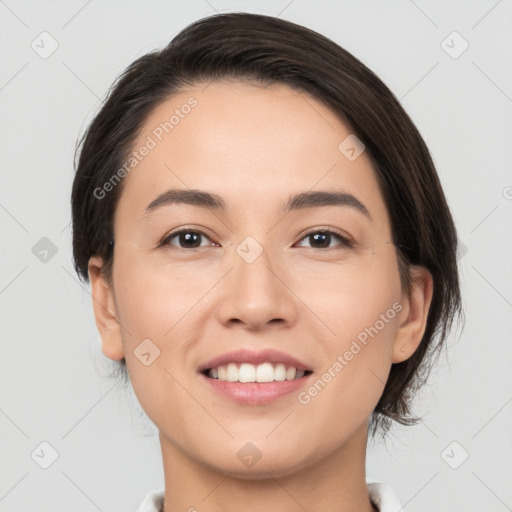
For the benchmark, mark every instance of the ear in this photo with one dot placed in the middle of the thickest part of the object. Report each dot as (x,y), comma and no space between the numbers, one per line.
(105,311)
(413,317)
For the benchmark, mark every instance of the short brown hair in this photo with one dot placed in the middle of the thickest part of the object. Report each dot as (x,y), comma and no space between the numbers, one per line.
(264,49)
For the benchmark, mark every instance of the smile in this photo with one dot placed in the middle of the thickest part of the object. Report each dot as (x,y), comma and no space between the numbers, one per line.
(247,372)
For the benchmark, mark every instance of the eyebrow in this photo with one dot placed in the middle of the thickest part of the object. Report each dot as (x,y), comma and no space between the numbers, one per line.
(210,201)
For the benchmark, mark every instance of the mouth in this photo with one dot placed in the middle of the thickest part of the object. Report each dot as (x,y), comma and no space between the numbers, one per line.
(255,378)
(247,372)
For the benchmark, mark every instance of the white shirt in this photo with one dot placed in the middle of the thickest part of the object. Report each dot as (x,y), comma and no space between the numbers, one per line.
(382,495)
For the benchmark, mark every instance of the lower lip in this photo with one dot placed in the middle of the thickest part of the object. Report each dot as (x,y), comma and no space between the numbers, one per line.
(255,393)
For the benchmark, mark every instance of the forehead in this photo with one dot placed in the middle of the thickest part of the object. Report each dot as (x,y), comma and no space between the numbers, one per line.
(250,144)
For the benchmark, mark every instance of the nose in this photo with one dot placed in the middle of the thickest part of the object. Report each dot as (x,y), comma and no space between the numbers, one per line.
(256,295)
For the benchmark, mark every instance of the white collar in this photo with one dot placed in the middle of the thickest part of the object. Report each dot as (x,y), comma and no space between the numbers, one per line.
(382,495)
(384,498)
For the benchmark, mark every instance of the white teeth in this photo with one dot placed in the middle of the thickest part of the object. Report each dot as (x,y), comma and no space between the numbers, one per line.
(265,373)
(290,373)
(280,372)
(246,372)
(232,373)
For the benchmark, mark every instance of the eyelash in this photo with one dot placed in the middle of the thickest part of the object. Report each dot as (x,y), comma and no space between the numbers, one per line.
(345,242)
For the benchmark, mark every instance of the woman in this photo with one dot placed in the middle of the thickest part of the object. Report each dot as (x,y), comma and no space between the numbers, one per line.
(272,262)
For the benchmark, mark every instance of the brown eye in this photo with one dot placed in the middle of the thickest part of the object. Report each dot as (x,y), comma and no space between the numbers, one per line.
(322,239)
(186,239)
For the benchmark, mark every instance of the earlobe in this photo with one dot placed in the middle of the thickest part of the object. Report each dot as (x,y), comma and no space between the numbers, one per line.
(105,311)
(413,318)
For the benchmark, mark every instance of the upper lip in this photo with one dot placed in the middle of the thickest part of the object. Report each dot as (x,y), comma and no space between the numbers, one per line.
(249,356)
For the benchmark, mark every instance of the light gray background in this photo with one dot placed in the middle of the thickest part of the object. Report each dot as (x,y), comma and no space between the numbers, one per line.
(51,384)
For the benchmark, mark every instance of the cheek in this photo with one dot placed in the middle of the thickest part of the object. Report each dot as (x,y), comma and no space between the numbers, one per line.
(349,299)
(155,305)
(358,358)
(359,310)
(152,299)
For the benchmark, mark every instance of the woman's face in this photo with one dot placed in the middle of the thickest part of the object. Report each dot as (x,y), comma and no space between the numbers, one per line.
(259,277)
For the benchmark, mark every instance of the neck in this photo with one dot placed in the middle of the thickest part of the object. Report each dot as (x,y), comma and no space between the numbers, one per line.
(336,482)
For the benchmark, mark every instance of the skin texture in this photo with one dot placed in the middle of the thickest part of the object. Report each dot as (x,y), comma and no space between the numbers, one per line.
(255,146)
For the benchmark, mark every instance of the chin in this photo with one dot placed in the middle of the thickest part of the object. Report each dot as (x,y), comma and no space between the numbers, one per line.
(274,462)
(261,471)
